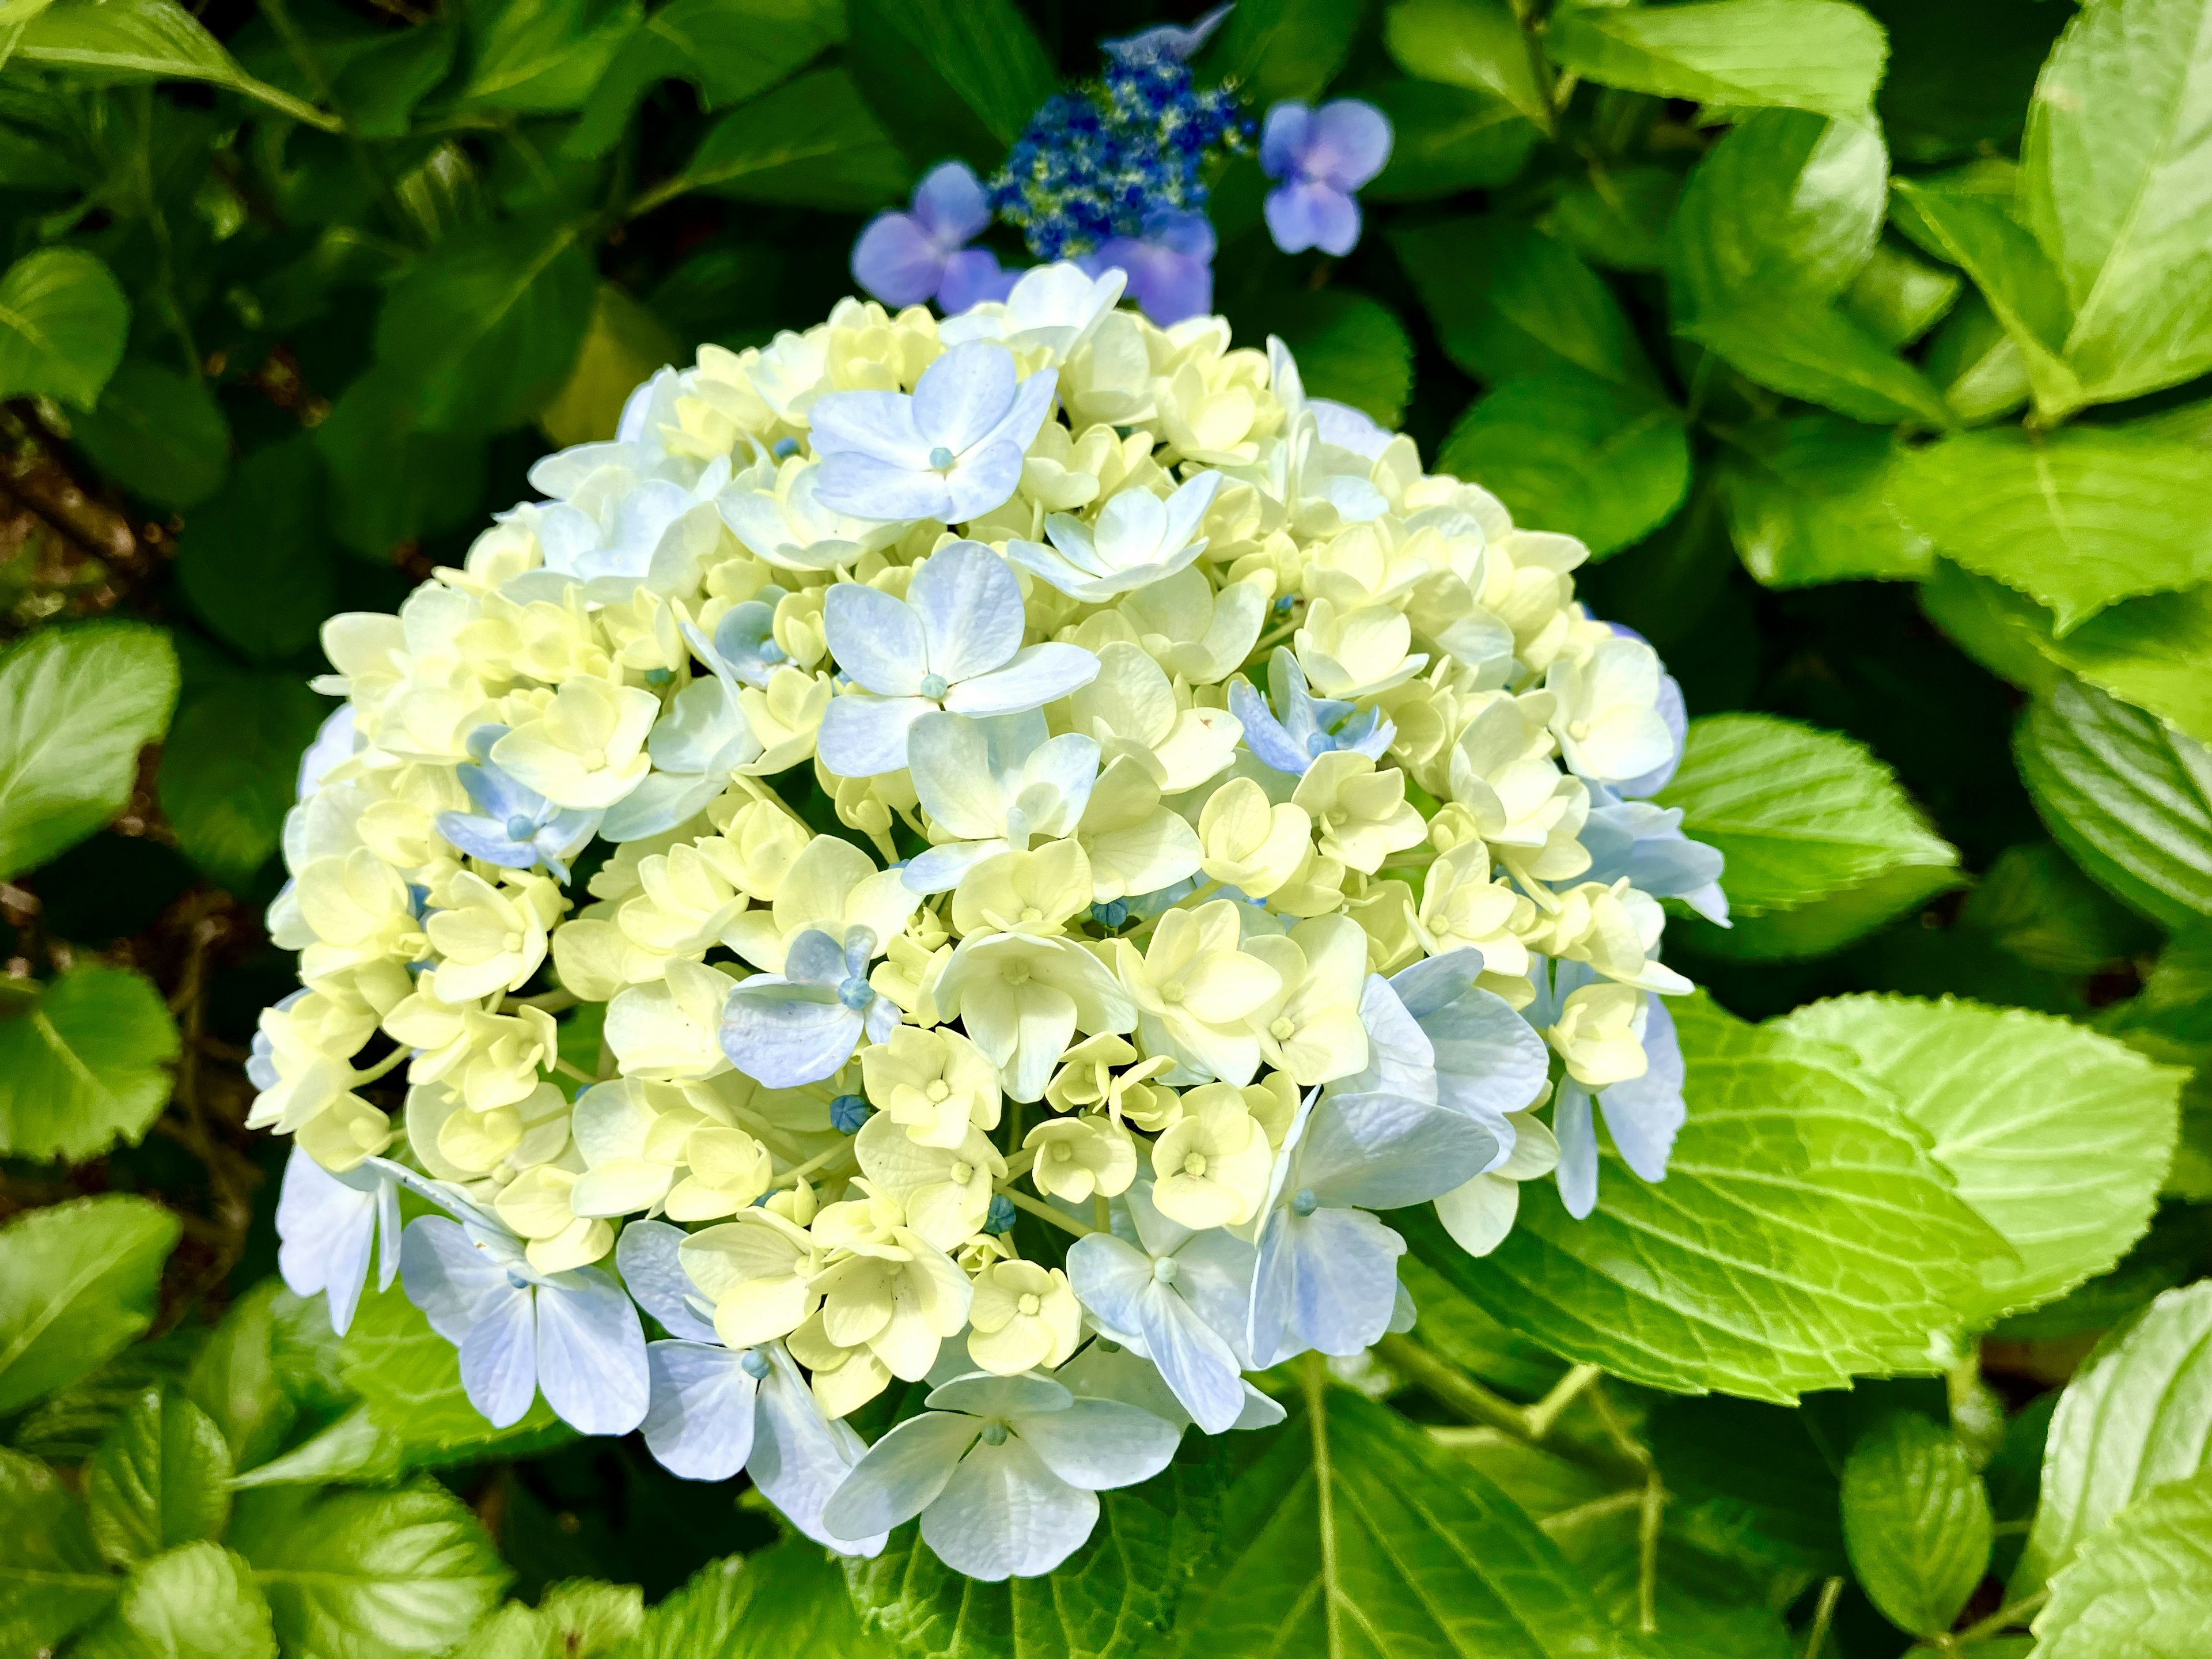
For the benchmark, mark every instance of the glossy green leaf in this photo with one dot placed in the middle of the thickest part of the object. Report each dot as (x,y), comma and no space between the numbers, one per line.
(1799,813)
(983,53)
(543,57)
(380,86)
(731,50)
(159,1481)
(1605,463)
(257,563)
(812,143)
(236,1379)
(369,1575)
(144,39)
(410,1379)
(1898,298)
(786,1599)
(1916,1521)
(1806,499)
(232,767)
(2129,799)
(1787,200)
(52,1578)
(1620,219)
(1276,49)
(2137,1415)
(84,1064)
(485,326)
(2143,1588)
(1978,366)
(2056,1136)
(160,434)
(1479,45)
(1445,139)
(77,1281)
(199,1601)
(1509,302)
(2110,180)
(1792,54)
(1348,1535)
(1825,925)
(63,319)
(1802,1235)
(1823,357)
(578,1620)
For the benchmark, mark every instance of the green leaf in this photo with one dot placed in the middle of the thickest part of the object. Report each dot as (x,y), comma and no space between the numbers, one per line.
(2056,1135)
(1933,112)
(195,1603)
(1348,347)
(1800,814)
(1828,924)
(392,480)
(2035,902)
(1112,1598)
(1802,1235)
(1755,1483)
(77,1281)
(256,563)
(1822,355)
(2170,1253)
(159,433)
(1620,219)
(84,1064)
(2135,1416)
(1605,463)
(1787,200)
(1345,1535)
(394,70)
(1791,54)
(625,345)
(410,1379)
(1898,298)
(1446,139)
(812,143)
(160,1479)
(231,770)
(486,326)
(578,1620)
(1806,503)
(369,1575)
(235,1379)
(1916,1521)
(1479,45)
(2078,519)
(2154,651)
(786,1600)
(63,319)
(109,41)
(1976,363)
(1510,301)
(2129,799)
(2143,1588)
(2111,174)
(1451,1325)
(76,705)
(1276,49)
(52,1579)
(731,50)
(543,57)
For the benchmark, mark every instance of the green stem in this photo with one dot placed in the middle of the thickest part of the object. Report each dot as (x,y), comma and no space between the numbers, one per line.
(1313,1380)
(1042,1210)
(1824,1613)
(2013,1612)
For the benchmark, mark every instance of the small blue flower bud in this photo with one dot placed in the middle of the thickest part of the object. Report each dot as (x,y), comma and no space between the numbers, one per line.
(521,827)
(658,675)
(1304,1202)
(934,685)
(942,459)
(754,1363)
(1112,914)
(784,447)
(848,1113)
(1001,1217)
(856,993)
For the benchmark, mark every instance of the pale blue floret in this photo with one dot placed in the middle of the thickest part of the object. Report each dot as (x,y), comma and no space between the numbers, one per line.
(801,1026)
(513,827)
(1301,728)
(1642,1114)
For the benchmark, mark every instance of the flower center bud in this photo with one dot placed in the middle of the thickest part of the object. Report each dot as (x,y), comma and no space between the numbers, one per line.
(1164,1270)
(934,685)
(517,1280)
(1018,973)
(856,994)
(511,943)
(521,827)
(1031,913)
(1059,1152)
(994,1433)
(1029,1304)
(1172,992)
(593,759)
(1319,745)
(936,1091)
(754,1363)
(942,459)
(1304,1202)
(1194,1163)
(1284,1029)
(961,1174)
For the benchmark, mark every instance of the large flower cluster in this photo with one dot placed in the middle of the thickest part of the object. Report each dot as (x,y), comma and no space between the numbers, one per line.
(1222,832)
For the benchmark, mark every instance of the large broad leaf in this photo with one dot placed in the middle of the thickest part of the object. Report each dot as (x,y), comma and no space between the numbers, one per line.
(1606,463)
(2078,519)
(1619,220)
(1818,353)
(76,705)
(161,1479)
(578,1620)
(1285,48)
(1446,139)
(77,1281)
(62,320)
(2057,1137)
(1112,1599)
(1345,1536)
(52,1578)
(1790,54)
(543,57)
(1800,814)
(1916,1521)
(1508,301)
(1479,45)
(729,49)
(144,39)
(1787,200)
(788,1601)
(485,327)
(1802,1235)
(812,143)
(2129,799)
(1897,297)
(1806,503)
(199,1601)
(84,1064)
(257,563)
(231,770)
(2137,1415)
(158,433)
(369,1575)
(2112,179)
(2143,1588)
(946,77)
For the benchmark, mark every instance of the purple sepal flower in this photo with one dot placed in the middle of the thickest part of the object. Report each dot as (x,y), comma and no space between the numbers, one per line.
(974,276)
(1321,155)
(904,259)
(1170,266)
